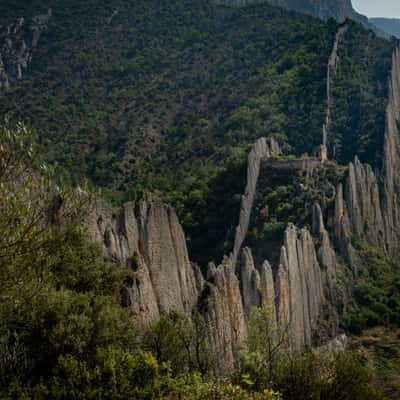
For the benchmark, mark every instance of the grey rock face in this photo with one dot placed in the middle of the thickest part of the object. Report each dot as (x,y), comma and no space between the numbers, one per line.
(148,238)
(389,25)
(391,201)
(323,9)
(358,212)
(262,149)
(326,255)
(331,71)
(257,284)
(299,287)
(18,43)
(367,207)
(225,315)
(363,204)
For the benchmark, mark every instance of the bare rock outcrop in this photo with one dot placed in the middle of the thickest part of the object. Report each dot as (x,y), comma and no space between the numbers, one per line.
(358,210)
(299,287)
(147,237)
(225,315)
(324,9)
(391,163)
(262,149)
(257,284)
(363,204)
(332,66)
(326,255)
(18,43)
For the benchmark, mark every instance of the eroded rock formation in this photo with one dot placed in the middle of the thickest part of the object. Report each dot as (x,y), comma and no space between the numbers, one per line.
(148,238)
(262,149)
(225,315)
(18,43)
(332,66)
(299,287)
(258,289)
(323,9)
(391,164)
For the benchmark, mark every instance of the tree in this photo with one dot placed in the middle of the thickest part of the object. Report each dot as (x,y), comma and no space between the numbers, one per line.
(262,351)
(58,296)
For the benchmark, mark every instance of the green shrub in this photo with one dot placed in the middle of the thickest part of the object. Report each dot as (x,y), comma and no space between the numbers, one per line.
(376,294)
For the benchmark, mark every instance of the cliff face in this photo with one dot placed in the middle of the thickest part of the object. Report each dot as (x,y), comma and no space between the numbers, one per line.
(367,205)
(364,208)
(332,66)
(389,25)
(148,238)
(324,9)
(299,271)
(224,314)
(18,43)
(262,149)
(391,163)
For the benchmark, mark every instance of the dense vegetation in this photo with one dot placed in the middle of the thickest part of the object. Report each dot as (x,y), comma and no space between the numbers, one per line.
(376,294)
(287,195)
(165,96)
(360,97)
(65,335)
(168,97)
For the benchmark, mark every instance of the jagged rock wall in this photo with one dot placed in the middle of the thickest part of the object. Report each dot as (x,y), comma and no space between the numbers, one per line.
(225,316)
(257,284)
(305,280)
(262,149)
(391,163)
(358,211)
(323,9)
(366,208)
(299,287)
(332,66)
(326,256)
(148,238)
(18,43)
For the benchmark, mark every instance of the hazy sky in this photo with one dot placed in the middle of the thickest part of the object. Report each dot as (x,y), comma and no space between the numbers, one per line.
(378,8)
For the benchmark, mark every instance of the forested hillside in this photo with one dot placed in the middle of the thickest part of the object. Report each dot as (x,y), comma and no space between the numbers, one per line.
(197,189)
(168,96)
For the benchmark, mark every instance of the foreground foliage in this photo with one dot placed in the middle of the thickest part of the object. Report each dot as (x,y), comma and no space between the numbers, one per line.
(376,294)
(64,334)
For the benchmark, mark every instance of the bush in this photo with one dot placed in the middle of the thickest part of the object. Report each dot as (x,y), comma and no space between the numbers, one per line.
(376,294)
(266,362)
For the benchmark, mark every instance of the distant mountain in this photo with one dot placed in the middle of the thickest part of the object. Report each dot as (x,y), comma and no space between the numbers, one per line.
(389,25)
(323,9)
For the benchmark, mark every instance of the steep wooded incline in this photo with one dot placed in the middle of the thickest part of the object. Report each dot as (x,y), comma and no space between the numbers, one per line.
(218,109)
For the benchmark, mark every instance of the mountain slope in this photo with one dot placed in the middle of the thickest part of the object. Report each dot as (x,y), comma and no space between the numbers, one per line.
(323,9)
(173,105)
(274,135)
(389,25)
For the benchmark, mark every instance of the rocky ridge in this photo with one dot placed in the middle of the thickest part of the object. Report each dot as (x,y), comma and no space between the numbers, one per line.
(262,149)
(18,44)
(365,209)
(331,71)
(148,238)
(323,9)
